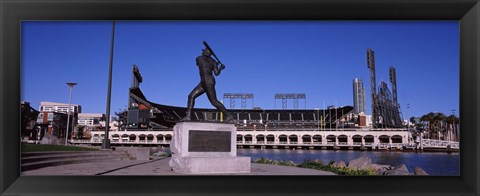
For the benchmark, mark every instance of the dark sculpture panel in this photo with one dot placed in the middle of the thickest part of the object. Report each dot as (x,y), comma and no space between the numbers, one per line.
(209,141)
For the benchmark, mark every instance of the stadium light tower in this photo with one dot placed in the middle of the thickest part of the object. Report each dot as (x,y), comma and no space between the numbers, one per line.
(70,84)
(373,86)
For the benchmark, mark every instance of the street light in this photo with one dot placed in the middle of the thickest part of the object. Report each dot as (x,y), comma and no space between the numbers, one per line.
(408,110)
(70,84)
(106,141)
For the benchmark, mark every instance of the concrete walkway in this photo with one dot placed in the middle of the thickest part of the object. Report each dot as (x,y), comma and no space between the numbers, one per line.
(157,166)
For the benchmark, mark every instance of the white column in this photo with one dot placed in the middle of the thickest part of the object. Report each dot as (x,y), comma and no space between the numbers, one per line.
(376,140)
(350,140)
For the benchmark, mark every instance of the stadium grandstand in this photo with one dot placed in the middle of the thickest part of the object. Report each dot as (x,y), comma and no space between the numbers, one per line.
(145,115)
(145,123)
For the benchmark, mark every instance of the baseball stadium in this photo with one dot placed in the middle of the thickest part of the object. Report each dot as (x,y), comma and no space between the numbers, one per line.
(145,123)
(148,123)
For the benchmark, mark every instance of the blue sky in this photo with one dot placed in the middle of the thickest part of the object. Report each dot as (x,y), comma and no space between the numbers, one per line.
(318,58)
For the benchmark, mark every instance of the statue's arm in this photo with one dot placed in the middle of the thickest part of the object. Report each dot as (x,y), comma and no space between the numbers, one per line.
(216,70)
(203,63)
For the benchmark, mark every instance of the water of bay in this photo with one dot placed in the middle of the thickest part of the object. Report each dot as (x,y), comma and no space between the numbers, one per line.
(436,164)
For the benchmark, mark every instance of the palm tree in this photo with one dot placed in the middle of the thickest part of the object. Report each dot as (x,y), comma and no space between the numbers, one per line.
(440,125)
(453,120)
(429,119)
(436,124)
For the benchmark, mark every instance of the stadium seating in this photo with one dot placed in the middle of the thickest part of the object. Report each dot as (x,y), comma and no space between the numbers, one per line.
(297,117)
(166,116)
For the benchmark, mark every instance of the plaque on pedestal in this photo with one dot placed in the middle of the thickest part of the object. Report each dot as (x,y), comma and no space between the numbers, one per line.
(201,148)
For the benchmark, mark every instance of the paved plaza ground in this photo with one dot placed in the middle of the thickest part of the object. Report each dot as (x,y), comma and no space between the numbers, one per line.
(157,166)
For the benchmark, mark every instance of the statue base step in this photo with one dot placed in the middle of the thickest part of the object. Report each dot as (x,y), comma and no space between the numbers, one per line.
(210,165)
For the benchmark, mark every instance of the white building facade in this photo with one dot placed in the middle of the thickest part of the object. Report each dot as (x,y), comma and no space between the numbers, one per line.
(91,119)
(59,107)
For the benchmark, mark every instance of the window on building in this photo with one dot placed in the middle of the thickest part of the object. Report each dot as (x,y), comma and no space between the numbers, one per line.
(40,118)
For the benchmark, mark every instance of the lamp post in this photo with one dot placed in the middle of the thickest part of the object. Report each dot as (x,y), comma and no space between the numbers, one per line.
(106,141)
(70,84)
(408,119)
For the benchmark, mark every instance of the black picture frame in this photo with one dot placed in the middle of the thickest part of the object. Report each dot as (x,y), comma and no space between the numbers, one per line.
(12,12)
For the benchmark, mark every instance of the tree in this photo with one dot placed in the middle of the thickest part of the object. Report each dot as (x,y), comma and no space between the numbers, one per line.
(429,119)
(436,124)
(440,125)
(452,121)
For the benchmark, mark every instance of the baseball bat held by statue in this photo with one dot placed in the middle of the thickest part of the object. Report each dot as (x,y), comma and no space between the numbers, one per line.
(213,53)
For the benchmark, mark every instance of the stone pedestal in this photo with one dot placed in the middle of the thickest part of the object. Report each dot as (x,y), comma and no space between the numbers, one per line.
(205,148)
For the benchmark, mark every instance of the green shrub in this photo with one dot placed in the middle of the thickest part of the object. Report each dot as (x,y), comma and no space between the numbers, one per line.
(167,154)
(275,162)
(318,165)
(340,171)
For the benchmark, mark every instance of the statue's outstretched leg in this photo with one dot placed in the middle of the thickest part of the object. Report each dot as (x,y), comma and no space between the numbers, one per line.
(212,97)
(197,91)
